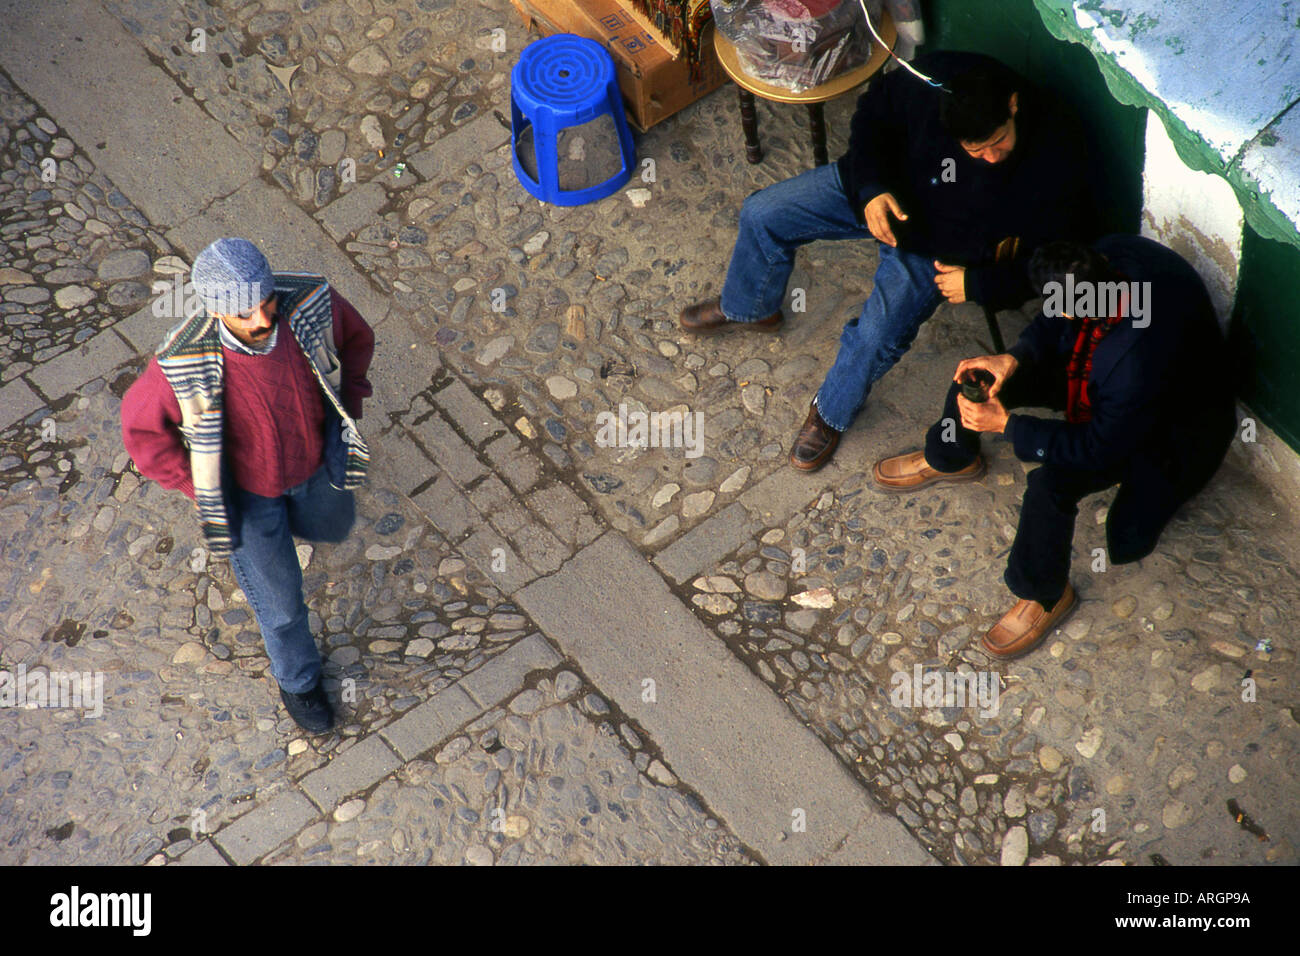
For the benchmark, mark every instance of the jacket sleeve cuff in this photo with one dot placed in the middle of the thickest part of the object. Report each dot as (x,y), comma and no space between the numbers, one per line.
(1029,437)
(867,191)
(975,284)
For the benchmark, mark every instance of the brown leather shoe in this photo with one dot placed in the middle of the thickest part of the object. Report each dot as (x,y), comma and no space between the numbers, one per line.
(705,318)
(910,472)
(1025,625)
(814,444)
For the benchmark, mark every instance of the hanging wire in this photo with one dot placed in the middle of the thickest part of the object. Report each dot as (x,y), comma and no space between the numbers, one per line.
(911,69)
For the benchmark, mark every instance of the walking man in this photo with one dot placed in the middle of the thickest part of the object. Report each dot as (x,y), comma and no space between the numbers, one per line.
(249,408)
(1132,353)
(957,185)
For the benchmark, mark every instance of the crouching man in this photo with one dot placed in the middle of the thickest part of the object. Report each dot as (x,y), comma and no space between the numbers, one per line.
(248,408)
(1128,346)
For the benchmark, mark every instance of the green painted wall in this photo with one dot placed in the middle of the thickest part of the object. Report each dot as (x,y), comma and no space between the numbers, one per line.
(1012,31)
(1265,333)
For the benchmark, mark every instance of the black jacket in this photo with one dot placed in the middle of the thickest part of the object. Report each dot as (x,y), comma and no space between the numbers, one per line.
(1160,395)
(1042,191)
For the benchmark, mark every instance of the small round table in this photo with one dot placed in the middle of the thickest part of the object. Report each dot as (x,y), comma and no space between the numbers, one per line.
(748,88)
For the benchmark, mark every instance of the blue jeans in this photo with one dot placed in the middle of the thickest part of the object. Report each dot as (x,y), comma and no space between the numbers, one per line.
(774,222)
(266,567)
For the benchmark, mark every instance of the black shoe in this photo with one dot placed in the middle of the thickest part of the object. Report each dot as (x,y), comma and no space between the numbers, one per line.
(310,711)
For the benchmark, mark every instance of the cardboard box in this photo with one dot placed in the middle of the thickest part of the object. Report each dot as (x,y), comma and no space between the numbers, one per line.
(654,83)
(699,8)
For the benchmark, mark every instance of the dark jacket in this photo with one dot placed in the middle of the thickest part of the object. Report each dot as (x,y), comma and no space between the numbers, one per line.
(1042,191)
(1160,397)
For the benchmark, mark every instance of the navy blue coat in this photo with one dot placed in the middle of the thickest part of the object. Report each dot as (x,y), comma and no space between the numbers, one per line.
(1161,396)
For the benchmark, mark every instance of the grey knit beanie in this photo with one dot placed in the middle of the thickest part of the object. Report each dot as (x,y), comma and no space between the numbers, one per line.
(231,276)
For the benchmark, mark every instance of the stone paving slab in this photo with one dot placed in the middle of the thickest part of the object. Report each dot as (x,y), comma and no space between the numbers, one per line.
(466,145)
(264,828)
(542,550)
(502,676)
(785,491)
(288,829)
(447,508)
(17,401)
(351,772)
(705,543)
(566,514)
(404,365)
(353,209)
(447,448)
(432,722)
(498,560)
(143,330)
(202,854)
(94,358)
(718,725)
(469,413)
(61,49)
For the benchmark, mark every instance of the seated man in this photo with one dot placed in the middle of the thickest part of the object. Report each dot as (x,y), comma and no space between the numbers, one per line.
(974,179)
(1145,407)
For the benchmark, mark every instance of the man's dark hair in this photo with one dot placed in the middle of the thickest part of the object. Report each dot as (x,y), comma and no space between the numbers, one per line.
(1053,260)
(979,103)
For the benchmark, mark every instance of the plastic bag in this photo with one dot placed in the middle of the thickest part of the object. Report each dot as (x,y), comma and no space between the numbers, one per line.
(797,44)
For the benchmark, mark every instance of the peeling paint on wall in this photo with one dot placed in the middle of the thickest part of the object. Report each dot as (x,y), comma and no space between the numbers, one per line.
(1195,214)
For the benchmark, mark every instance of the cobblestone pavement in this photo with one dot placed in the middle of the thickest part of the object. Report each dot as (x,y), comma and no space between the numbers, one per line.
(390,134)
(106,573)
(75,249)
(1133,708)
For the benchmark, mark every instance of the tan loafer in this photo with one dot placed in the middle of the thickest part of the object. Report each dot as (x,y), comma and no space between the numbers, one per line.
(910,472)
(1025,625)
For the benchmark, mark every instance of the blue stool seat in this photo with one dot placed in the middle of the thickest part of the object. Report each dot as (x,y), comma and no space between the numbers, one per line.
(564,81)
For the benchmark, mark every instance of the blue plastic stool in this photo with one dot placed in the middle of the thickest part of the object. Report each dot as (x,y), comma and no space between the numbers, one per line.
(562,81)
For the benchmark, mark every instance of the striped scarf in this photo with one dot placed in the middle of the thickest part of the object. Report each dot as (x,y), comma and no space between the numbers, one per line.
(1078,409)
(191,360)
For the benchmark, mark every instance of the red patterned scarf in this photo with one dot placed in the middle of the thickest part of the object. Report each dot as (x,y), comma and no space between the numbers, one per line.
(1091,331)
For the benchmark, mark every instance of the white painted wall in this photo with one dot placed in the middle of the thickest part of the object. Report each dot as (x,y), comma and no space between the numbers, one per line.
(1196,214)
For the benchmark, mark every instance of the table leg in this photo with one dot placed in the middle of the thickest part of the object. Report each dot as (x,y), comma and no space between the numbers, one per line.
(749,123)
(817,120)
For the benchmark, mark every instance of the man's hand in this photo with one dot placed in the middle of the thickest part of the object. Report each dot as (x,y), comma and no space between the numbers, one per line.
(1001,367)
(877,215)
(951,281)
(987,416)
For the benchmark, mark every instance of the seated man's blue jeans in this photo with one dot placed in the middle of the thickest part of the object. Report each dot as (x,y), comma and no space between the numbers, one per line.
(266,567)
(774,222)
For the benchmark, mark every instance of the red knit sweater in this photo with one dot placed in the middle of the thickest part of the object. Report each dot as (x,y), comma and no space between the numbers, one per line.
(274,415)
(273,420)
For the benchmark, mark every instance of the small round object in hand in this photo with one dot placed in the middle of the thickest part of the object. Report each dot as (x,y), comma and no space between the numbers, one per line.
(976,386)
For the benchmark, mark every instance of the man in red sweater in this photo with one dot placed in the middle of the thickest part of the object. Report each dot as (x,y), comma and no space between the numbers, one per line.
(249,409)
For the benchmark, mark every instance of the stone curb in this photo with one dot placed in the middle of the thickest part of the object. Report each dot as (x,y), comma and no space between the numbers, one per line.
(717,724)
